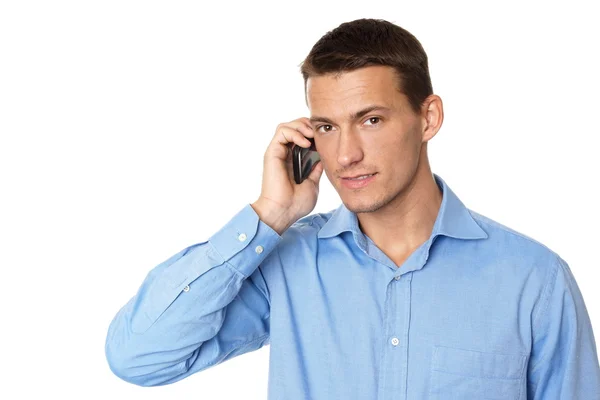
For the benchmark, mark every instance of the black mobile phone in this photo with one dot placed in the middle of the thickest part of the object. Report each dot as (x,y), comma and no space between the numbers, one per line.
(304,159)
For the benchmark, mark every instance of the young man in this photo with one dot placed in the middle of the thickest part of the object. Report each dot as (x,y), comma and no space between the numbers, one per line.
(400,293)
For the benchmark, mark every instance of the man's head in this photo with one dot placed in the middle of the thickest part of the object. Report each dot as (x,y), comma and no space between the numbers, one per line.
(366,63)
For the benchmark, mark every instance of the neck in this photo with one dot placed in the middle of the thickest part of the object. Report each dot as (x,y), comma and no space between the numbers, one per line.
(406,222)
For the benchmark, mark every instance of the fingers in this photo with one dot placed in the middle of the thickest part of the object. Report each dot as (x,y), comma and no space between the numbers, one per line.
(286,136)
(294,132)
(303,125)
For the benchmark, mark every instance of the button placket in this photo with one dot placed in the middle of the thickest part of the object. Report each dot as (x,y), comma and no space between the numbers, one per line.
(394,361)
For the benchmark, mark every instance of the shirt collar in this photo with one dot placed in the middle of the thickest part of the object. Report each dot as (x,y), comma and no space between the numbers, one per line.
(453,219)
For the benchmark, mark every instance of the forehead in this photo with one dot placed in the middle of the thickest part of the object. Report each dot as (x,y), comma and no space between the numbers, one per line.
(334,94)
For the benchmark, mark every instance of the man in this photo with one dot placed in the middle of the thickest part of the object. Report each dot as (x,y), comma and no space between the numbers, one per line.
(400,293)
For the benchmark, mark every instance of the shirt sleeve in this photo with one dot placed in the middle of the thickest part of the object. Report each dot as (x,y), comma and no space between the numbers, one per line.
(200,307)
(564,361)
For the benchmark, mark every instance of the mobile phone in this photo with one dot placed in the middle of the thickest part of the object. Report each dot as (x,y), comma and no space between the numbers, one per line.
(304,159)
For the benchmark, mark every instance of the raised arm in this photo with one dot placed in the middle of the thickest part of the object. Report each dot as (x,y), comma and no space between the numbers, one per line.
(210,301)
(202,306)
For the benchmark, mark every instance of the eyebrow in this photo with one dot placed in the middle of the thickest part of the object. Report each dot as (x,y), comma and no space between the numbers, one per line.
(354,116)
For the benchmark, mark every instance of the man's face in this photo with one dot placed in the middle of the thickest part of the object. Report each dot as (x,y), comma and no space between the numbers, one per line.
(385,142)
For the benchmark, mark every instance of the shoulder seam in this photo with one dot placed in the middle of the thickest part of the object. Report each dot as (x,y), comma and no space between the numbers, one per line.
(504,229)
(545,298)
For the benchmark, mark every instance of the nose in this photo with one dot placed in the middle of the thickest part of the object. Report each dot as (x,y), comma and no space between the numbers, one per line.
(349,150)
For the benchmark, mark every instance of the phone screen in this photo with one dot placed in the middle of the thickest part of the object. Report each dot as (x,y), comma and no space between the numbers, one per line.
(304,159)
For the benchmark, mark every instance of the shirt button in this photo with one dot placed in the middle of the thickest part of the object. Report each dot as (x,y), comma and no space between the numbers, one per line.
(259,249)
(395,341)
(186,288)
(242,237)
(397,277)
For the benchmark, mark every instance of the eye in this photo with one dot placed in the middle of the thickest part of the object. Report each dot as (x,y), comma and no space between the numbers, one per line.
(377,119)
(321,126)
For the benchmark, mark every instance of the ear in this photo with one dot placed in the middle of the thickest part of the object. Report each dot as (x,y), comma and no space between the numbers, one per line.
(432,112)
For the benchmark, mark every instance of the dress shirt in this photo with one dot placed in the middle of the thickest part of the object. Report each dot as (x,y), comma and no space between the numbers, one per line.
(478,311)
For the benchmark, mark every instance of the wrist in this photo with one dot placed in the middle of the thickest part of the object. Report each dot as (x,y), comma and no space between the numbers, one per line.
(272,215)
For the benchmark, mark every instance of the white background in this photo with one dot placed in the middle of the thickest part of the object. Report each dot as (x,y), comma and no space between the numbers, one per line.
(130,130)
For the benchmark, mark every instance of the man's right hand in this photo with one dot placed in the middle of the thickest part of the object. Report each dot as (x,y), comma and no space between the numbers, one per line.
(282,202)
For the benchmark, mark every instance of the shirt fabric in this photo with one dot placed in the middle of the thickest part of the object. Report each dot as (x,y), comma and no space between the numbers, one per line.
(478,311)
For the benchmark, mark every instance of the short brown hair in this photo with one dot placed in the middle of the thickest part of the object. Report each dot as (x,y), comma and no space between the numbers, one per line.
(364,42)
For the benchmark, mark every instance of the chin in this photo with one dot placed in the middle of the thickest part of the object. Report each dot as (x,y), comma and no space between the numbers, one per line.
(367,204)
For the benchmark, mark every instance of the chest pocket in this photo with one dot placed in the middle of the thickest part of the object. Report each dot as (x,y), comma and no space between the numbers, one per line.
(468,374)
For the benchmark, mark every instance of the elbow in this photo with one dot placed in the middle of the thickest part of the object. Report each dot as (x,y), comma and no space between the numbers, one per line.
(136,358)
(129,365)
(142,368)
(123,355)
(123,366)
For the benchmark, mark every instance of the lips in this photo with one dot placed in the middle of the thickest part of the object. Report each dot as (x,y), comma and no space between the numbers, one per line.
(358,177)
(358,181)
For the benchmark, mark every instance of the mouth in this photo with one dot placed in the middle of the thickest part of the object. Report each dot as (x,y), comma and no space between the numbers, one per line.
(358,177)
(358,181)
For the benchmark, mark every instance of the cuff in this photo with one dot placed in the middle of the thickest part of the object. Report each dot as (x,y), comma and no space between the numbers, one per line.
(245,241)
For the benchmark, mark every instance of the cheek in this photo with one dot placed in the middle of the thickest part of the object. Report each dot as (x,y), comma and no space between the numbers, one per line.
(396,155)
(327,168)
(330,169)
(327,158)
(406,144)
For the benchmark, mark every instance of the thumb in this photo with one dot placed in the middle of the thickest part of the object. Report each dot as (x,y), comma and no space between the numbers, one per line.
(315,174)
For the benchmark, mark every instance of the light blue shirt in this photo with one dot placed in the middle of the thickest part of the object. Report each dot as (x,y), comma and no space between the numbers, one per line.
(478,311)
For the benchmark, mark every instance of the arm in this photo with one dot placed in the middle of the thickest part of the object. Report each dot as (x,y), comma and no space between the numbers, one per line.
(564,361)
(202,306)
